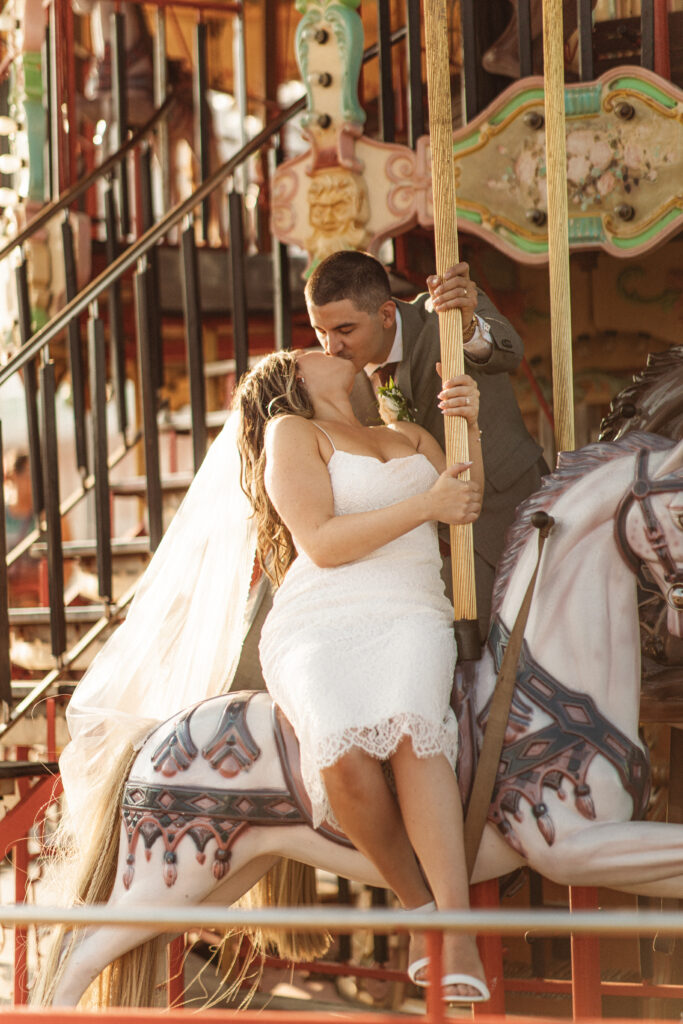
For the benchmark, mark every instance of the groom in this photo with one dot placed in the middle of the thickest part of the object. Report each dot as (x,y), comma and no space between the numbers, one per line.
(354,315)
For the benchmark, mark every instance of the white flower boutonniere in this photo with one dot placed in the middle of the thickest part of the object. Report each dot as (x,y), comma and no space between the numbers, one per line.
(392,402)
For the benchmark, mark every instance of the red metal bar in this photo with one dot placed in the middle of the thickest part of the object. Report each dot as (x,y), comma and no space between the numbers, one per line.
(175,990)
(20,858)
(435,1003)
(485,894)
(662,48)
(57,1015)
(51,716)
(631,989)
(586,995)
(536,388)
(17,822)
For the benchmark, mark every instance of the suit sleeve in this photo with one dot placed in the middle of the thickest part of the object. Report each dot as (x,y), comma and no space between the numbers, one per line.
(508,348)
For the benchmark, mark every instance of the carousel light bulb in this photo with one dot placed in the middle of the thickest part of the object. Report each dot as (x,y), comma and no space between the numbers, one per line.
(10,163)
(8,197)
(8,125)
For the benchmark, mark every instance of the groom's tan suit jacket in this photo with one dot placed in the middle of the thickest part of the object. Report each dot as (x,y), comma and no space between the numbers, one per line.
(512,459)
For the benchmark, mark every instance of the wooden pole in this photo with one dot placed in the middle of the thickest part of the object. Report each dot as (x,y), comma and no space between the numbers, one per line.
(558,221)
(446,244)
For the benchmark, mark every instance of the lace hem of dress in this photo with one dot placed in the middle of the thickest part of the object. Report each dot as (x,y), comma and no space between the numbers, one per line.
(379,741)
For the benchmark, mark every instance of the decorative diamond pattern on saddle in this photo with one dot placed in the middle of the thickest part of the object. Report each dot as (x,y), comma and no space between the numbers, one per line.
(561,750)
(232,748)
(174,812)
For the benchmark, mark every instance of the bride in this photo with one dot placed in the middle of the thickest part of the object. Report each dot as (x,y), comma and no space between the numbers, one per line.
(358,650)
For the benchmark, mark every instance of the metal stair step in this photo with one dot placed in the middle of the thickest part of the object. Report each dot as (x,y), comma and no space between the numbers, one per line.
(181,421)
(75,614)
(137,485)
(88,548)
(27,769)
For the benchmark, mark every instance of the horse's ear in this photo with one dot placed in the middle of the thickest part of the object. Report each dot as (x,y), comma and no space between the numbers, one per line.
(673,461)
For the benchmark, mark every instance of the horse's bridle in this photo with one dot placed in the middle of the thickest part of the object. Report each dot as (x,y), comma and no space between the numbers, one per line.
(642,488)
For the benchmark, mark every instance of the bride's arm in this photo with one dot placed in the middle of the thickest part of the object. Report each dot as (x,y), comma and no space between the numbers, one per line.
(298,484)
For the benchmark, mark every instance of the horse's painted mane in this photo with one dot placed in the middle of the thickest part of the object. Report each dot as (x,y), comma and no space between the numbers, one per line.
(571,467)
(656,393)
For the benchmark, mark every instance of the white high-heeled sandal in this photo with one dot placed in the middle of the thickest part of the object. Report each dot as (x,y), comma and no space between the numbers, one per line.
(422,963)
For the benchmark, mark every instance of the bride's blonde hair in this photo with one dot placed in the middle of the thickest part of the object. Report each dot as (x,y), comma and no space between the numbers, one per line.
(271,389)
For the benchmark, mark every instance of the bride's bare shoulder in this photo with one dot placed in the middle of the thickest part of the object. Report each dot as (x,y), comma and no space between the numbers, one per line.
(288,429)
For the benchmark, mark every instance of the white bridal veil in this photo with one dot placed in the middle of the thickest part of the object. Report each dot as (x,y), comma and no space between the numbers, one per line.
(182,637)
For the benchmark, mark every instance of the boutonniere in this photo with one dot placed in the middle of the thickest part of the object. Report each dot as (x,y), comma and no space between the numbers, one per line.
(393,404)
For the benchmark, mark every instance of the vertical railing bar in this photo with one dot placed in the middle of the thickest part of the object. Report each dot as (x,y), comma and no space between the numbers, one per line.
(115,309)
(194,336)
(98,398)
(240,337)
(120,104)
(239,63)
(647,34)
(469,58)
(585,27)
(160,92)
(201,106)
(5,663)
(146,203)
(74,344)
(415,84)
(48,160)
(282,295)
(149,406)
(55,559)
(53,125)
(386,77)
(526,60)
(30,387)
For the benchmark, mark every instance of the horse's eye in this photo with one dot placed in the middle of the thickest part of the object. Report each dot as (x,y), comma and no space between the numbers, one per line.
(677,516)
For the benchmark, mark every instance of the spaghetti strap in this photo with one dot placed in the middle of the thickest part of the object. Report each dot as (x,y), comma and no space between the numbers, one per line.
(322,429)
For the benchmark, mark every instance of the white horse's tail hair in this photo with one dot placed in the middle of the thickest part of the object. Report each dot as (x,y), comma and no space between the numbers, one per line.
(287,884)
(130,980)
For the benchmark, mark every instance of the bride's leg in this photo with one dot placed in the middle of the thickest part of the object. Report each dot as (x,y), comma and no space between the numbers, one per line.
(430,805)
(366,809)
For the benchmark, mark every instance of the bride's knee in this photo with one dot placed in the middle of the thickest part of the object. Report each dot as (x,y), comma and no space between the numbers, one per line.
(350,776)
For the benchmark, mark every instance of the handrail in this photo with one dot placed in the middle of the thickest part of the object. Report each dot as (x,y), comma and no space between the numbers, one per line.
(128,258)
(352,919)
(75,191)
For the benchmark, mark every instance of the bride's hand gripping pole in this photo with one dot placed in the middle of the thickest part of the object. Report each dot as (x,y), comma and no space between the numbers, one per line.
(450,321)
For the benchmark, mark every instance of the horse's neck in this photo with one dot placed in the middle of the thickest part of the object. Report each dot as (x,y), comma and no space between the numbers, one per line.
(583,624)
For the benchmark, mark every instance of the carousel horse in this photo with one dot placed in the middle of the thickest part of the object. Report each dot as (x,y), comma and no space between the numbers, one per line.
(213,800)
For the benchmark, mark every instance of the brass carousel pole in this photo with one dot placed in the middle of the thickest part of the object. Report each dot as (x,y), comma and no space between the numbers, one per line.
(450,322)
(558,221)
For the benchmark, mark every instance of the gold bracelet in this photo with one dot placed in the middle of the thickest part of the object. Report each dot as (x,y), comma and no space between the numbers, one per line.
(468,332)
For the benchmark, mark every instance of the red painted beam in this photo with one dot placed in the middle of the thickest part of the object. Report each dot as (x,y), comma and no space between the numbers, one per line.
(16,824)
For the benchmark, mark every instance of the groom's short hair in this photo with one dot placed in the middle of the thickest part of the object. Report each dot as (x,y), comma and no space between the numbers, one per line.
(348,274)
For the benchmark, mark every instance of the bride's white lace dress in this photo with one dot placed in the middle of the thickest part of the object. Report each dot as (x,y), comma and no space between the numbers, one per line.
(363,654)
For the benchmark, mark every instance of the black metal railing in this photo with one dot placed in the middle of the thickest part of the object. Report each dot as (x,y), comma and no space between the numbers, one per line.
(137,257)
(477,29)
